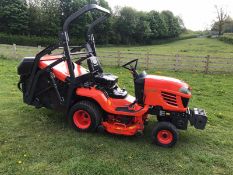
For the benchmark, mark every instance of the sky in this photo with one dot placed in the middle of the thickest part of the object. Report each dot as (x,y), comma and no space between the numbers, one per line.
(196,14)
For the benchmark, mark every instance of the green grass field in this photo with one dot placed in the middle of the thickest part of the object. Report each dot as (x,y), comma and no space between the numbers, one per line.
(184,55)
(39,141)
(193,47)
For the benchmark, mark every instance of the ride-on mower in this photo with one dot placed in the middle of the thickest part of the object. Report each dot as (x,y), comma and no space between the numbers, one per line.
(93,100)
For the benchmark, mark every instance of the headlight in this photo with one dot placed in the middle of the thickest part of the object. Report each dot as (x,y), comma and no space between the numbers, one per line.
(185,90)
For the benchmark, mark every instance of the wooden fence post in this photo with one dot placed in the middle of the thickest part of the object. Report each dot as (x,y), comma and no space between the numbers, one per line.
(14,51)
(118,58)
(177,62)
(147,60)
(39,48)
(207,64)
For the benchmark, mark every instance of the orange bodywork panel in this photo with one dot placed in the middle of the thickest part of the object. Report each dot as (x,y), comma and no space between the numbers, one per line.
(164,91)
(110,105)
(61,70)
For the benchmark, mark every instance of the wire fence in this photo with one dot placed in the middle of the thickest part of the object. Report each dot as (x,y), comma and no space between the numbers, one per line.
(205,64)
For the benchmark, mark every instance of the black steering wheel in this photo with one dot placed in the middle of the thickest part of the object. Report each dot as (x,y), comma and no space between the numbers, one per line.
(132,66)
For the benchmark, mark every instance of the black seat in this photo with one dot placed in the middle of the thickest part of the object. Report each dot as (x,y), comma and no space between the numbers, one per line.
(106,81)
(103,79)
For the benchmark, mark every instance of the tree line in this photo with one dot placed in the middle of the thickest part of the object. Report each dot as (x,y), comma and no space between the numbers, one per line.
(223,23)
(225,26)
(125,26)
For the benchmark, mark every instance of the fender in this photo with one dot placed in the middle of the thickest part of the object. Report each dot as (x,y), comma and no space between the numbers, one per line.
(110,104)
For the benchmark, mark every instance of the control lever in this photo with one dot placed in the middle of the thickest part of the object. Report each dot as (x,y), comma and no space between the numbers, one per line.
(132,104)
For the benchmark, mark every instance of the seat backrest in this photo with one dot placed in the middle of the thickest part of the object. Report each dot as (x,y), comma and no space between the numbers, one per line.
(94,65)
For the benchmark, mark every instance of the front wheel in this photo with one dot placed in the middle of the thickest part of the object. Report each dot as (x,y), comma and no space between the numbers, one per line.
(85,116)
(164,134)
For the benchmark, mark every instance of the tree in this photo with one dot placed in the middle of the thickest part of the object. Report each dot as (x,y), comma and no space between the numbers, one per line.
(228,26)
(35,17)
(13,16)
(181,24)
(173,26)
(143,31)
(221,18)
(126,24)
(157,24)
(50,17)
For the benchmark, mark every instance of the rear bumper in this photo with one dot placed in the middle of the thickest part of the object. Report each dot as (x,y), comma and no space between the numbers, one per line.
(197,118)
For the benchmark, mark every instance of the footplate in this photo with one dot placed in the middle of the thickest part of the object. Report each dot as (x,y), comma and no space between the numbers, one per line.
(198,118)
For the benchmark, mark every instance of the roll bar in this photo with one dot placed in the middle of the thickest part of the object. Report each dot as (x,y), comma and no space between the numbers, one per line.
(64,43)
(83,10)
(65,37)
(97,21)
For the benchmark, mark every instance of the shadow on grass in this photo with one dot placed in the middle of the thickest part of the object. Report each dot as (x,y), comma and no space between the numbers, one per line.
(54,120)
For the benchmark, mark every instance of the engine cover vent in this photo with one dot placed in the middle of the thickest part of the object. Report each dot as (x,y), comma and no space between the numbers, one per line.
(169,98)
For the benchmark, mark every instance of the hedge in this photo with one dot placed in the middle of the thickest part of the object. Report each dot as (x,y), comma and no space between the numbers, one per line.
(181,37)
(227,37)
(25,40)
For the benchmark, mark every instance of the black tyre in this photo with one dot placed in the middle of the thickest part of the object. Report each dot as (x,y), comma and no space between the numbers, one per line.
(85,116)
(164,134)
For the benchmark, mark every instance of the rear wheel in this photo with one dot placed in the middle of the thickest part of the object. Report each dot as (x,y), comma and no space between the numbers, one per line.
(164,134)
(85,116)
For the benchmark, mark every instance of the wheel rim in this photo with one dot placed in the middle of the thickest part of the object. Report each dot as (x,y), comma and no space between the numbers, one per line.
(165,137)
(82,119)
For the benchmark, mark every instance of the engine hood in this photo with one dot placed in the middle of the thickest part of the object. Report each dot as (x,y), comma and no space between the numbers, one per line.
(164,83)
